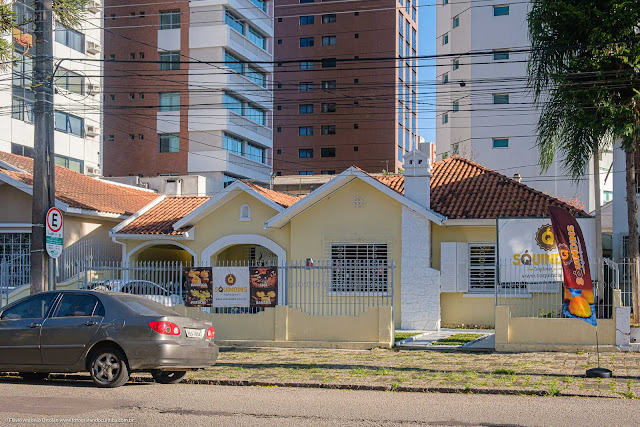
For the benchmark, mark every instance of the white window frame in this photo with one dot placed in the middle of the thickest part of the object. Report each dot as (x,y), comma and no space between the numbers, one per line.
(245,213)
(486,268)
(360,289)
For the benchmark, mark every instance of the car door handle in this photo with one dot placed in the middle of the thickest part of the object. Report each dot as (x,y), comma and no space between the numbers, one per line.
(35,325)
(91,323)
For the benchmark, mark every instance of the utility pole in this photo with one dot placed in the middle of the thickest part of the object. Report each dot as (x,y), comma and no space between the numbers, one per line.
(44,159)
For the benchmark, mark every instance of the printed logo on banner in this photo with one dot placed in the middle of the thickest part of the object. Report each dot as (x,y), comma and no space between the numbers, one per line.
(197,287)
(264,286)
(545,238)
(230,287)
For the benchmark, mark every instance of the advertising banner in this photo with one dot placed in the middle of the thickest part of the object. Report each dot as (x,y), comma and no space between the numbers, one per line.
(230,287)
(577,301)
(264,286)
(527,252)
(197,287)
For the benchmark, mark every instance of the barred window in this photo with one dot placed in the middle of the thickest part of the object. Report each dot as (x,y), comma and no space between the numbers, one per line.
(482,267)
(15,258)
(359,267)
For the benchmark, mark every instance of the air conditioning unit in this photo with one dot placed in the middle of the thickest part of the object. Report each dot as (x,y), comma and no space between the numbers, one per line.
(93,171)
(93,89)
(93,47)
(92,131)
(94,6)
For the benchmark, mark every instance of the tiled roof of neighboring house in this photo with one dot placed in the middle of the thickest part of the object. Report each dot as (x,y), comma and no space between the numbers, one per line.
(283,199)
(462,189)
(83,192)
(161,217)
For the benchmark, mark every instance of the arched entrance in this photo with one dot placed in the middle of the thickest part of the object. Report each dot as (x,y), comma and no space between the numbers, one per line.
(163,251)
(243,248)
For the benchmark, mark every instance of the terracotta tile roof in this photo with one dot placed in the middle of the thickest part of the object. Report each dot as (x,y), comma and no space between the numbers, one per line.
(283,199)
(160,218)
(462,189)
(83,192)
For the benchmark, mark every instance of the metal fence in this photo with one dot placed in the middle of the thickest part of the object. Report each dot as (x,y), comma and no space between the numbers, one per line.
(537,290)
(331,288)
(339,287)
(15,271)
(84,255)
(623,269)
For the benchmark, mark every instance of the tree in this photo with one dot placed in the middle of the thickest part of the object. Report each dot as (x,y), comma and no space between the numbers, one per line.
(584,71)
(68,13)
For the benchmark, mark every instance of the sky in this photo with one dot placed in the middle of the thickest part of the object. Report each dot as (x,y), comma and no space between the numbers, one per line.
(426,72)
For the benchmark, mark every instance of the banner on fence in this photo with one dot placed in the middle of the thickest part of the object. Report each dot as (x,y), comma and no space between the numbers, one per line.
(197,287)
(528,255)
(264,286)
(577,301)
(231,287)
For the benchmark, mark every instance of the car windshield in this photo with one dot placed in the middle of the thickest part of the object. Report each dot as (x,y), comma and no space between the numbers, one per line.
(145,307)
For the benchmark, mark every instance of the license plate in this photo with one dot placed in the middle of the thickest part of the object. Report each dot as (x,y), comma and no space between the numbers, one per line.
(194,333)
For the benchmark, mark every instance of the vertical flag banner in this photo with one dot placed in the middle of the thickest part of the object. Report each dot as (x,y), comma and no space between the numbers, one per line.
(577,301)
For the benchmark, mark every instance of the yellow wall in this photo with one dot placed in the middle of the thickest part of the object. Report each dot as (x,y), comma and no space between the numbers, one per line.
(532,334)
(76,227)
(457,310)
(284,327)
(335,219)
(165,253)
(440,233)
(18,202)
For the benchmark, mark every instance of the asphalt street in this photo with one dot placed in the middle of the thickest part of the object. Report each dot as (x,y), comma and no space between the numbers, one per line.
(79,403)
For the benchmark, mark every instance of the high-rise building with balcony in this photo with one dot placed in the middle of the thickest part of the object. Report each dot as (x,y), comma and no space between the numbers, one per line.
(188,89)
(485,110)
(77,84)
(341,97)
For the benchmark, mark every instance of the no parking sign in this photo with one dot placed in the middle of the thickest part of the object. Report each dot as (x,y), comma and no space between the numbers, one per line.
(54,232)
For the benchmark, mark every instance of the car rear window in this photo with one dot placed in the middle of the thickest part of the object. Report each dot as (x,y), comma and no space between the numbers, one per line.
(145,307)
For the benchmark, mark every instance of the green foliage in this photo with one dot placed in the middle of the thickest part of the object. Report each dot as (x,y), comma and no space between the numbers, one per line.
(399,336)
(583,72)
(69,12)
(457,339)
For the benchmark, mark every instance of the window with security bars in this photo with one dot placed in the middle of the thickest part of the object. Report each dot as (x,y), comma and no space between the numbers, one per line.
(15,259)
(359,267)
(482,267)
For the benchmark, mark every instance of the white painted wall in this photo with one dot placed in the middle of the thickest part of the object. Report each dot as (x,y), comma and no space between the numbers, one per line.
(479,120)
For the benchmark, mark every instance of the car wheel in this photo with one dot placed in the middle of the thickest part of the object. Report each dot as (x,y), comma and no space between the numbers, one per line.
(108,368)
(34,376)
(168,377)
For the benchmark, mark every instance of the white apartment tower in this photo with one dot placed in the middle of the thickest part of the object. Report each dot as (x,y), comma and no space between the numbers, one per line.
(485,111)
(77,86)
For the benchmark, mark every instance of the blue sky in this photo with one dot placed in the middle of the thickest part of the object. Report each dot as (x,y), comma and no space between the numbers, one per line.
(426,72)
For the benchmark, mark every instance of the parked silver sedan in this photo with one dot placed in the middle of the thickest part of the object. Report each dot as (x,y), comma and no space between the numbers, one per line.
(108,334)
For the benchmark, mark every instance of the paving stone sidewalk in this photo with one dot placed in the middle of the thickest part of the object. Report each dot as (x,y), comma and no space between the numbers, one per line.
(522,373)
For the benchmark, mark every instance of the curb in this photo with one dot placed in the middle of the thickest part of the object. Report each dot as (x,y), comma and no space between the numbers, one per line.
(355,387)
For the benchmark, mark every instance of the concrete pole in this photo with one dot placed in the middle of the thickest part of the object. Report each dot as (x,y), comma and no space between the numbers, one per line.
(44,159)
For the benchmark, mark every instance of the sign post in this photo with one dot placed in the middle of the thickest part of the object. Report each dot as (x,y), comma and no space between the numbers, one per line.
(54,236)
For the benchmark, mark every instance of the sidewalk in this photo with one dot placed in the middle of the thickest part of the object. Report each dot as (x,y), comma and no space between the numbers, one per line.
(522,373)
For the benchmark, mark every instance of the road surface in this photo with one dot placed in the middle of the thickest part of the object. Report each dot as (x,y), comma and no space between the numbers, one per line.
(202,405)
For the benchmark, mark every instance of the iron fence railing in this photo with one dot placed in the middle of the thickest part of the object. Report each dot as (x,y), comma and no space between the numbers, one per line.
(85,254)
(537,290)
(15,271)
(330,288)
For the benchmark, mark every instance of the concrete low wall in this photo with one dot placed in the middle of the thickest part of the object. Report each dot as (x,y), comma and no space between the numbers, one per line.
(514,334)
(282,326)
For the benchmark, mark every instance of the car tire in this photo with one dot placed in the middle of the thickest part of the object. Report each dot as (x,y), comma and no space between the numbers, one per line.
(168,377)
(34,376)
(108,368)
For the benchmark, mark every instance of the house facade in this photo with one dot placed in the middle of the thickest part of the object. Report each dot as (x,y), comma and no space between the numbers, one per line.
(409,221)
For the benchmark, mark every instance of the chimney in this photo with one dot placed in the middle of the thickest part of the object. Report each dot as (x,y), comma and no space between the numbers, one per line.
(417,178)
(517,177)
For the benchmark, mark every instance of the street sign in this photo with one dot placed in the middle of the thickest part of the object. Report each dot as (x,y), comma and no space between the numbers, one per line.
(54,232)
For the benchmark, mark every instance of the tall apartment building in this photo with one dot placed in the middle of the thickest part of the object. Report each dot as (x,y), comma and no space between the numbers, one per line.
(484,110)
(77,90)
(188,89)
(341,98)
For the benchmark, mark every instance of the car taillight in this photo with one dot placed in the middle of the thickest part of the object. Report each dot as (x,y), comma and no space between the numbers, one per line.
(165,328)
(211,332)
